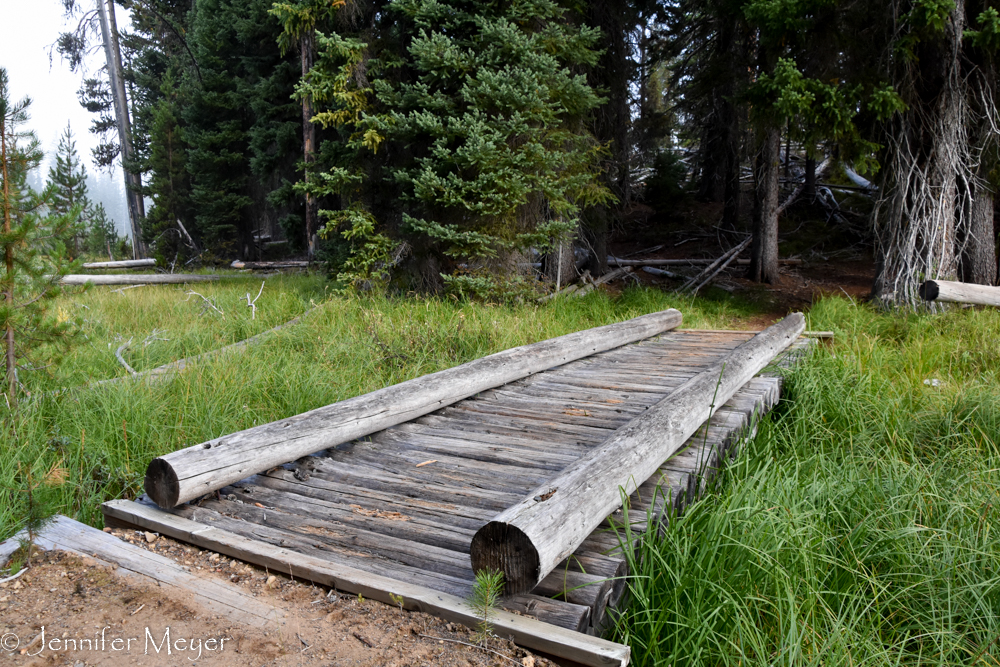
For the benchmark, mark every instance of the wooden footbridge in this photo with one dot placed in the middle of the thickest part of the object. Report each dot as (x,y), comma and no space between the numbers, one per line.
(385,495)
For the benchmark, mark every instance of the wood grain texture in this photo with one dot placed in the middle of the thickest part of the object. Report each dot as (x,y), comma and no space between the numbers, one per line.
(528,540)
(526,631)
(955,292)
(189,473)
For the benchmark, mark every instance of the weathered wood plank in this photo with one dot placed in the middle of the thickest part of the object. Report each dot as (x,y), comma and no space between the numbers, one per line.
(526,631)
(526,541)
(213,595)
(194,471)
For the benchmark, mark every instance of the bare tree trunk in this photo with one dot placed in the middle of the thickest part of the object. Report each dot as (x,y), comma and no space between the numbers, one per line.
(11,361)
(308,144)
(133,182)
(917,214)
(764,249)
(559,263)
(611,123)
(979,258)
(810,189)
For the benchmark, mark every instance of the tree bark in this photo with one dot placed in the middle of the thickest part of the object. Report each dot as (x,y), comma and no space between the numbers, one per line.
(810,189)
(528,540)
(308,144)
(979,258)
(11,361)
(764,249)
(929,157)
(188,473)
(133,182)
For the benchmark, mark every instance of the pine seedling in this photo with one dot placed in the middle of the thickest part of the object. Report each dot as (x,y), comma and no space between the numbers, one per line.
(38,511)
(485,595)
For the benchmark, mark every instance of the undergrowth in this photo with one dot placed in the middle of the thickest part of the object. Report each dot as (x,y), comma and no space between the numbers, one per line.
(859,526)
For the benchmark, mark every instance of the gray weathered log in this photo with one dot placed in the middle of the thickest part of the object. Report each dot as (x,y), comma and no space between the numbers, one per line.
(954,292)
(189,473)
(133,279)
(614,261)
(125,264)
(529,539)
(290,264)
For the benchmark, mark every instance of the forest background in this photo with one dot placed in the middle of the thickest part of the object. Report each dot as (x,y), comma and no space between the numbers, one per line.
(443,145)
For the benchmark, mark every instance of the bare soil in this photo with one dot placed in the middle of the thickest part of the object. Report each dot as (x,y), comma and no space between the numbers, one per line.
(115,620)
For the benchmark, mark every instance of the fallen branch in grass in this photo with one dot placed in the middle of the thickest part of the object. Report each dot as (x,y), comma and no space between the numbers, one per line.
(121,290)
(257,266)
(253,304)
(206,300)
(121,359)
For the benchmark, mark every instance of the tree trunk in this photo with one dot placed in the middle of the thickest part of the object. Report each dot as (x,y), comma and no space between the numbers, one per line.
(764,249)
(11,361)
(979,259)
(308,144)
(560,267)
(611,121)
(810,189)
(929,156)
(133,182)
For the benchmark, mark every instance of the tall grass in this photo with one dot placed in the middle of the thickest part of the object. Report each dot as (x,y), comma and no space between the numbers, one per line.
(859,527)
(106,435)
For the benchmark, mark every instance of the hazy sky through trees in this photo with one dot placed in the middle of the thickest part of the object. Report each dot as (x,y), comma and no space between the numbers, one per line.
(27,30)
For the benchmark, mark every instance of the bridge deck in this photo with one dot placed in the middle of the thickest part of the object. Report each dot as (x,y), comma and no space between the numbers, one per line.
(404,503)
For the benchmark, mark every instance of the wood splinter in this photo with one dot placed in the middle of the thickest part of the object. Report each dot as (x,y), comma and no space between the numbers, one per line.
(527,541)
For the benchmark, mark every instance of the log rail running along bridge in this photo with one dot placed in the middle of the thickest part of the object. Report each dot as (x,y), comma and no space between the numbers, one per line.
(516,461)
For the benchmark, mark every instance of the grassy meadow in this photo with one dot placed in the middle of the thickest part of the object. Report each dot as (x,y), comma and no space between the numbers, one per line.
(858,528)
(861,525)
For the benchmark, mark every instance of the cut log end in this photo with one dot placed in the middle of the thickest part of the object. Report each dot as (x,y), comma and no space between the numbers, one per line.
(162,485)
(501,547)
(929,291)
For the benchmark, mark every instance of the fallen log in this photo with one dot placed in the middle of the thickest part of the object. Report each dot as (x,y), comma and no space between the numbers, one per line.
(954,292)
(715,268)
(134,279)
(662,272)
(528,540)
(260,266)
(192,472)
(614,261)
(123,264)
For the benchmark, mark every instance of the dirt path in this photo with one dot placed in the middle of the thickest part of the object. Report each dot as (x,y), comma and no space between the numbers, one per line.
(93,616)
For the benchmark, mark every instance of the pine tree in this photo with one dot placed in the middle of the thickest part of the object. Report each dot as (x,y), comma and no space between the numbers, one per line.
(32,250)
(68,191)
(483,113)
(102,235)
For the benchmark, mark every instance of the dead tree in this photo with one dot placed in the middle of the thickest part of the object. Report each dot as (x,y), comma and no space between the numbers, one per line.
(133,182)
(930,167)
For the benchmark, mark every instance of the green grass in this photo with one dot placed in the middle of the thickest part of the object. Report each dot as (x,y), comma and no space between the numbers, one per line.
(859,527)
(105,436)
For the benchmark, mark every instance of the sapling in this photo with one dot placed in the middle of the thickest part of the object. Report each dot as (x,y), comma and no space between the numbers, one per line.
(485,595)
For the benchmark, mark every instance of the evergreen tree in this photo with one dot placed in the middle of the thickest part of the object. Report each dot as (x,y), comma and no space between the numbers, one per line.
(102,235)
(484,116)
(30,243)
(67,185)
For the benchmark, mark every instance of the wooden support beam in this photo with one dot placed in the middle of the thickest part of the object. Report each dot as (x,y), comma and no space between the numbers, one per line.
(192,472)
(529,539)
(132,279)
(524,630)
(215,596)
(124,264)
(954,292)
